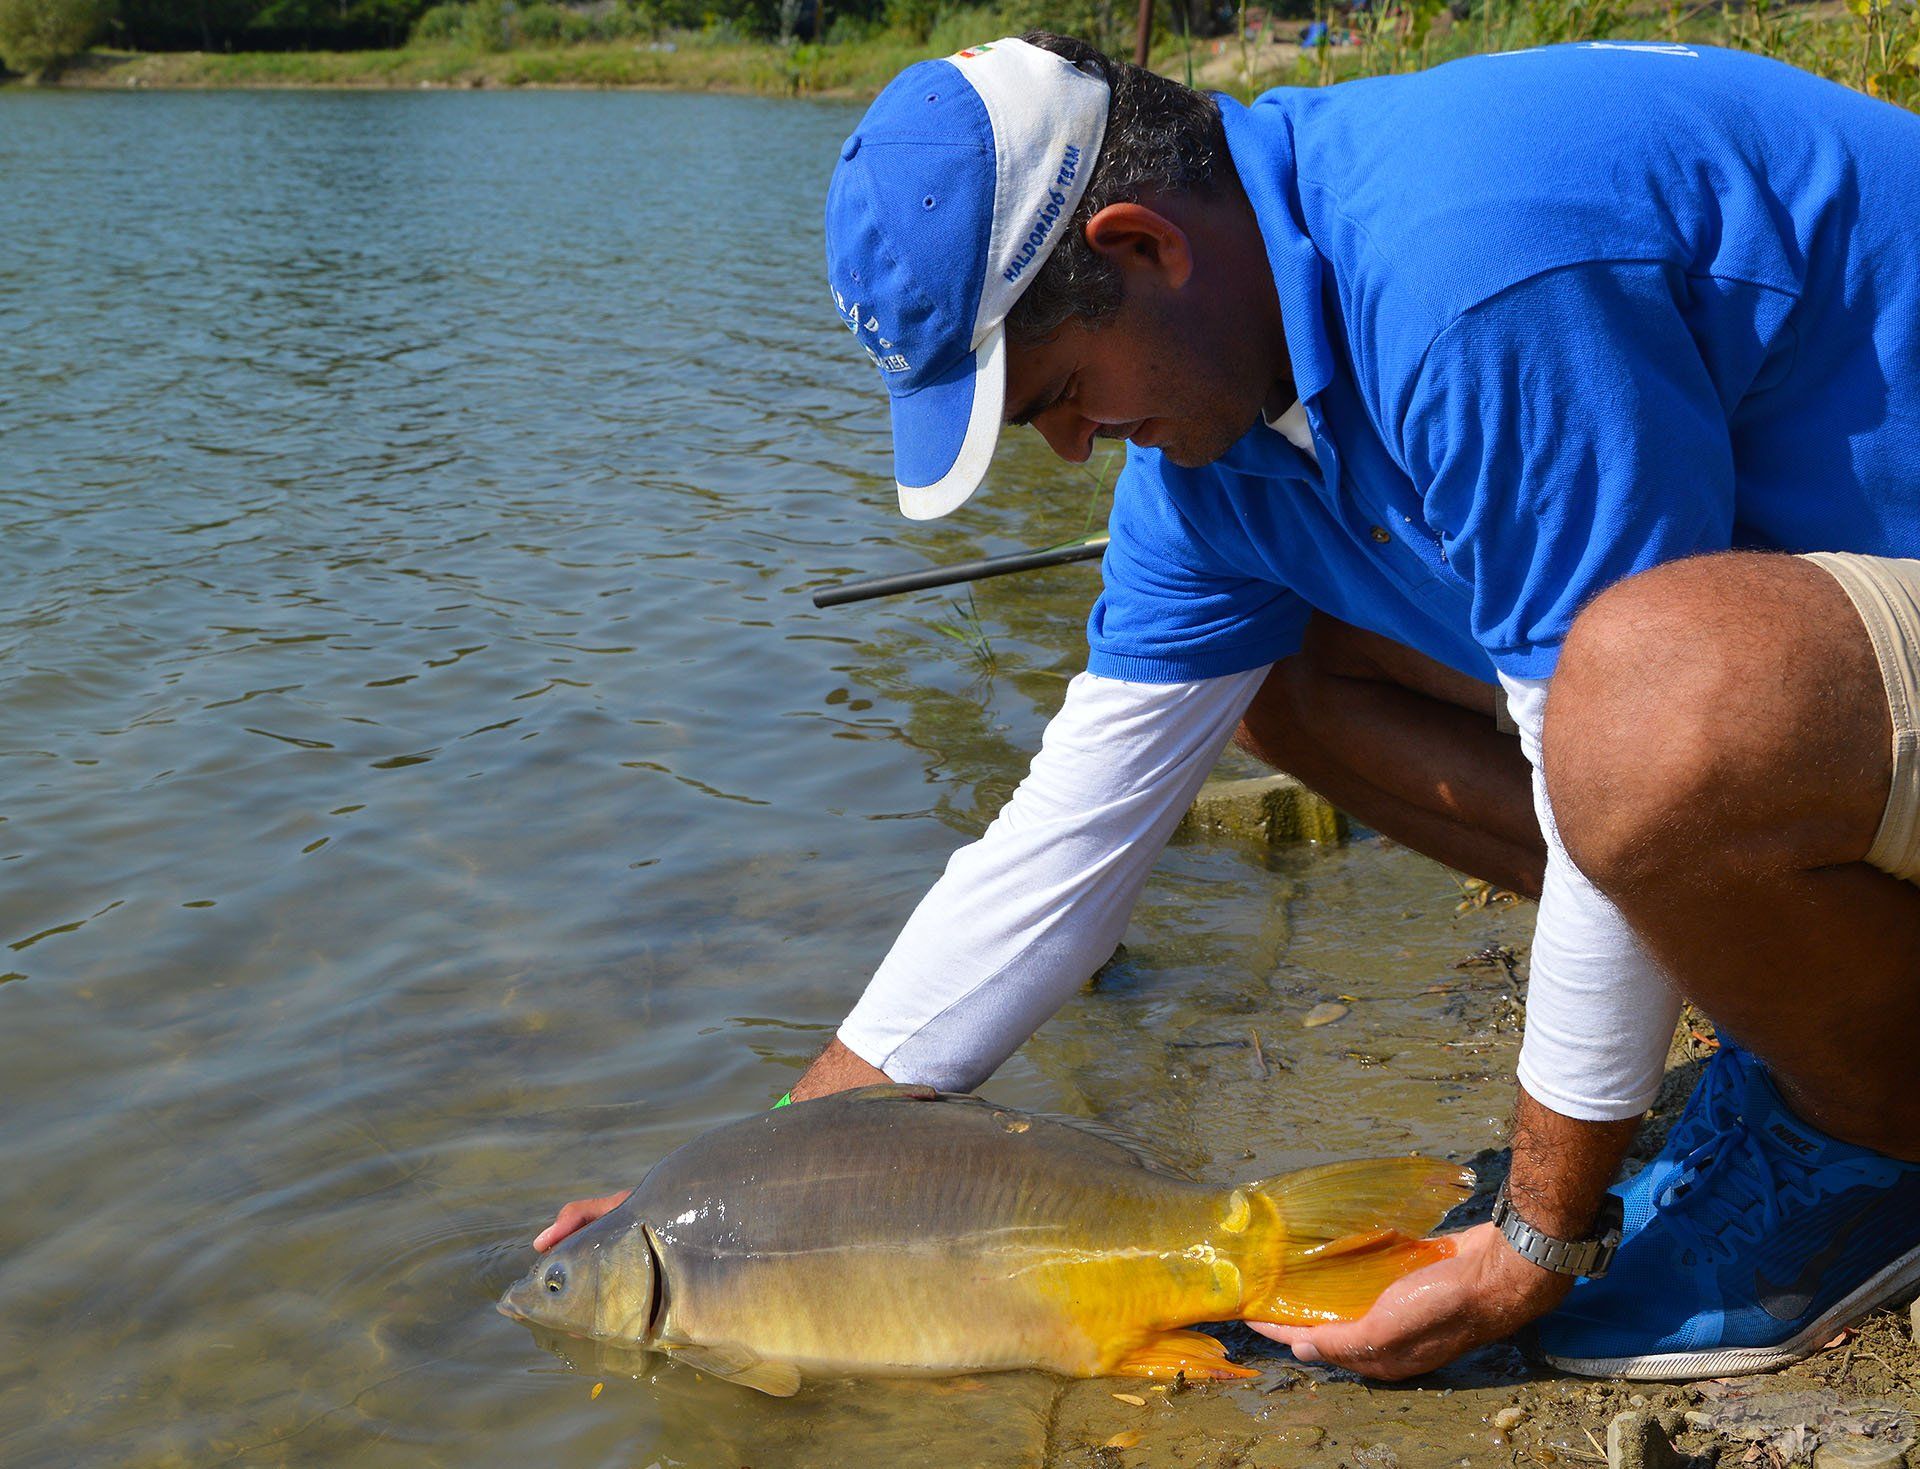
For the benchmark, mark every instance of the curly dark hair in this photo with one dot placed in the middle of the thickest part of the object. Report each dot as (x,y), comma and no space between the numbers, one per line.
(1161,138)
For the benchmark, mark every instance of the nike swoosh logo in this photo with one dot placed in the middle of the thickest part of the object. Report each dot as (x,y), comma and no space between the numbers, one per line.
(1790,1302)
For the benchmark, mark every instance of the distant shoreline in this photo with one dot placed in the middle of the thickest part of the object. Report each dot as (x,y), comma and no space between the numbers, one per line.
(747,68)
(1822,37)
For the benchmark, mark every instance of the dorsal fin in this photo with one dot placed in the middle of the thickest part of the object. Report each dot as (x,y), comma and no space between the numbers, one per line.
(1144,1154)
(897,1091)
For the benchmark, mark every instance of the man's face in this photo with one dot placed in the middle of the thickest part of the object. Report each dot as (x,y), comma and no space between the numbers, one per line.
(1185,370)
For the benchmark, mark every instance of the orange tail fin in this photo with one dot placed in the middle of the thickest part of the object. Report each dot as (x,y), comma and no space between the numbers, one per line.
(1343,1233)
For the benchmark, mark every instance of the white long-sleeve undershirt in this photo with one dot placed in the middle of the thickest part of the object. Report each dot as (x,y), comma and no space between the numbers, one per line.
(1600,1014)
(1024,916)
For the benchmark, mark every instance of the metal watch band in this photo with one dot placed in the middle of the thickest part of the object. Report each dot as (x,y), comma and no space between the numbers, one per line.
(1588,1257)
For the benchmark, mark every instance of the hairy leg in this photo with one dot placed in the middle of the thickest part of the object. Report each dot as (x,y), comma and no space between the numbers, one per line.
(1405,745)
(1718,751)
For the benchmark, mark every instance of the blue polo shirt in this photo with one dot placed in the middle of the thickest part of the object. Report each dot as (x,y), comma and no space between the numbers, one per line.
(1556,317)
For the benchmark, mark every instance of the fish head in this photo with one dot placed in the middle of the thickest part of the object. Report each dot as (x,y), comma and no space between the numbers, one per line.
(600,1282)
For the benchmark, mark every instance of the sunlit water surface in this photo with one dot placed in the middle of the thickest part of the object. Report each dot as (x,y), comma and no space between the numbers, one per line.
(429,792)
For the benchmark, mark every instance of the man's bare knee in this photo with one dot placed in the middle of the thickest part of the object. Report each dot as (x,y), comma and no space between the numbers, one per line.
(1714,717)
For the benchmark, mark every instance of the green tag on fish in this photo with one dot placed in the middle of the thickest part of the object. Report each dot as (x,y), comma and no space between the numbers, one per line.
(786,1101)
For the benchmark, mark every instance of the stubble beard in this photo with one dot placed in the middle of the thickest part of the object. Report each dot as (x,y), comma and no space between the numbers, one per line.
(1207,440)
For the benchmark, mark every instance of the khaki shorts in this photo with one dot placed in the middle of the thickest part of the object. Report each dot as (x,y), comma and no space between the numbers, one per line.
(1886,594)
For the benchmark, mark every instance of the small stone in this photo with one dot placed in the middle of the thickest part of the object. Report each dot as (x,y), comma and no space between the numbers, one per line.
(1268,808)
(1509,1418)
(1324,1013)
(1634,1441)
(1126,1439)
(1134,1398)
(1855,1452)
(1637,1400)
(1699,1421)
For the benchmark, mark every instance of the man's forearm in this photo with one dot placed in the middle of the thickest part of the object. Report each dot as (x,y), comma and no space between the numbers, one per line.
(835,1069)
(1022,916)
(1562,1167)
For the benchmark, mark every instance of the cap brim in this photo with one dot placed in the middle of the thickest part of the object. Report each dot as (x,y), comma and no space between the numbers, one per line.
(944,433)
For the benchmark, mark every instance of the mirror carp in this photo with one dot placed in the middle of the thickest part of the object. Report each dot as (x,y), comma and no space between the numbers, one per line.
(896,1230)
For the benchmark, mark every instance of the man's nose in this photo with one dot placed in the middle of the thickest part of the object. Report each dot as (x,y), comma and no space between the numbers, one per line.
(1067,433)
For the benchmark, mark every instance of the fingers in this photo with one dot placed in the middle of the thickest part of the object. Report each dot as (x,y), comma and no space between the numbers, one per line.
(1386,1361)
(1302,1341)
(577,1215)
(1374,1346)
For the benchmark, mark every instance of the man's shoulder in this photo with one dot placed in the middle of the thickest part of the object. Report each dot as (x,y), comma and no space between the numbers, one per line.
(1444,188)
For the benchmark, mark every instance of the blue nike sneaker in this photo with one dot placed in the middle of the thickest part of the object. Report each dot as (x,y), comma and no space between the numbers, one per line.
(1712,1108)
(1758,1245)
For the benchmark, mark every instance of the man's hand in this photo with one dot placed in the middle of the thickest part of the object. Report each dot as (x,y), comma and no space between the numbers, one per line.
(1428,1318)
(1561,1169)
(836,1069)
(577,1215)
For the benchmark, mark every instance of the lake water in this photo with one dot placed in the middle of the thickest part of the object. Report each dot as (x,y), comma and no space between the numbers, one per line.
(430,794)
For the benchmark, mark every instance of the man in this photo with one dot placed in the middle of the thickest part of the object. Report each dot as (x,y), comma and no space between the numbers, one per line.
(1441,393)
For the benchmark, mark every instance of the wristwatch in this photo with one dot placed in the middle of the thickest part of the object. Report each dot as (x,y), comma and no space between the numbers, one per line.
(1588,1257)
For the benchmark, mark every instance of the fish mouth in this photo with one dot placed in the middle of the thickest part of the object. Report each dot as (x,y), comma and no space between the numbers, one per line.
(512,1312)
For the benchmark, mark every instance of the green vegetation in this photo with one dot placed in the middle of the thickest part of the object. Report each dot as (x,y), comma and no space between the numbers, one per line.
(1873,45)
(857,45)
(38,36)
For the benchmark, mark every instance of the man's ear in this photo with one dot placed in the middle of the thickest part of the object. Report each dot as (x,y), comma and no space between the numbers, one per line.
(1133,237)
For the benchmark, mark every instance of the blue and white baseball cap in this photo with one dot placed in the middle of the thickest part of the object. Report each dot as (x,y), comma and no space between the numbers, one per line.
(946,201)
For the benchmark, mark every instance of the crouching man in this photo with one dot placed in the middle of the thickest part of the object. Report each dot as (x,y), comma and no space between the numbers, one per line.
(1572,394)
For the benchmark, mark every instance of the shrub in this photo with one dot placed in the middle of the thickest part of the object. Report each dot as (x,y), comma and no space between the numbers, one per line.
(627,22)
(913,18)
(37,36)
(446,22)
(850,30)
(539,24)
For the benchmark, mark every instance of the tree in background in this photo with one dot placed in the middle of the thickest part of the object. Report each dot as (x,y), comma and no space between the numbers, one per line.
(264,25)
(38,36)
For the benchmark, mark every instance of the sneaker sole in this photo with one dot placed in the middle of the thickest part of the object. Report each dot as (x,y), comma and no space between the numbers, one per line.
(1881,1289)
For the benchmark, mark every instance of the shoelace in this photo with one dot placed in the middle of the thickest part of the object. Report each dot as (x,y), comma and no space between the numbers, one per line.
(1753,1185)
(1713,1106)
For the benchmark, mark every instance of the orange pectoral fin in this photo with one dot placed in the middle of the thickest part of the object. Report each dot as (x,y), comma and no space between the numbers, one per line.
(1172,1353)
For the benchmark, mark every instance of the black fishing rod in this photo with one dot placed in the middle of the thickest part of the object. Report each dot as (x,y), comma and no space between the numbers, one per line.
(1087,548)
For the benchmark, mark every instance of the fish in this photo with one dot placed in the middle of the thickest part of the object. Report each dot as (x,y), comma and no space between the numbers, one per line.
(899,1231)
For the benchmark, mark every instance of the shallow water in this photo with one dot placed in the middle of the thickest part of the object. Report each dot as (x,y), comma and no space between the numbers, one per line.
(430,793)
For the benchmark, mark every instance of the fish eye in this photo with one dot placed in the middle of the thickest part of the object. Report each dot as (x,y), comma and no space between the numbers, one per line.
(556,1280)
